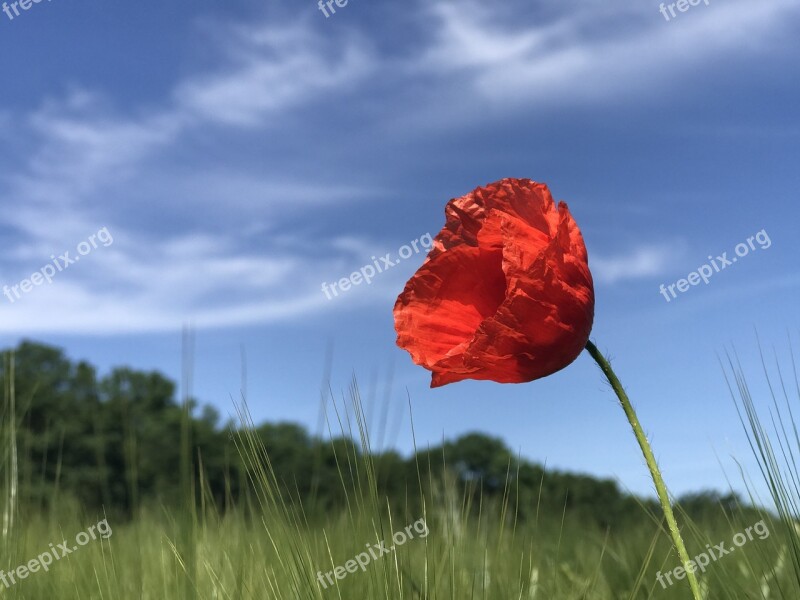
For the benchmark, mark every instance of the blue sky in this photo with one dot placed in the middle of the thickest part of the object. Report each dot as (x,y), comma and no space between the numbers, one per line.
(240,156)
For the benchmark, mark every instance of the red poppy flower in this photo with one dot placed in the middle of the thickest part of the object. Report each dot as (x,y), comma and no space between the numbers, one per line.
(505,293)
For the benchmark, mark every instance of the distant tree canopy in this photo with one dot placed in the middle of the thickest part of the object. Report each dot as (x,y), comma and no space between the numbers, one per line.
(124,439)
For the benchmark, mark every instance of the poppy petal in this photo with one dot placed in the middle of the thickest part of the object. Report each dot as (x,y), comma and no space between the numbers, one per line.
(505,293)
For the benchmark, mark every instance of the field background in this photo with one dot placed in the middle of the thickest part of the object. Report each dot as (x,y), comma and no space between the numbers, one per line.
(200,509)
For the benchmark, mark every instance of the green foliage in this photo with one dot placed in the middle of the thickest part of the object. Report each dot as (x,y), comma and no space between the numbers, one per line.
(269,508)
(114,442)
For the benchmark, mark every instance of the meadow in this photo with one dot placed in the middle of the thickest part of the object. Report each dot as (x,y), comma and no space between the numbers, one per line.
(244,511)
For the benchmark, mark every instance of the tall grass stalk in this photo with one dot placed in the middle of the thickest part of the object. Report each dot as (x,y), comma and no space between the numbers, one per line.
(775,446)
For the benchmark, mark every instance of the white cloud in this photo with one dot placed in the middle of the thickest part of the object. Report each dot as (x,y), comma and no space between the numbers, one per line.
(274,69)
(207,281)
(129,286)
(589,53)
(641,262)
(89,164)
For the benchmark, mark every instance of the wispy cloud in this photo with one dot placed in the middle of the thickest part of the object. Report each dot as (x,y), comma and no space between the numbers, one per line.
(271,70)
(91,166)
(592,52)
(640,262)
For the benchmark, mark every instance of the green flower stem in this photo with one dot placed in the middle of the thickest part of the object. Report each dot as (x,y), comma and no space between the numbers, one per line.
(661,488)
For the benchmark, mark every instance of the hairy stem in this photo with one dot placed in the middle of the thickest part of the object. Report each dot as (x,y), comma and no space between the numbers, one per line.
(661,488)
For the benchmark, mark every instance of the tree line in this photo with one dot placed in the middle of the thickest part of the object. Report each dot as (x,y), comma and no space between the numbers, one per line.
(124,440)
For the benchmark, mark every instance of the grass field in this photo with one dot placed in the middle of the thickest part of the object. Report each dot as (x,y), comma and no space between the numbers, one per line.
(165,554)
(456,546)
